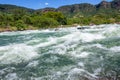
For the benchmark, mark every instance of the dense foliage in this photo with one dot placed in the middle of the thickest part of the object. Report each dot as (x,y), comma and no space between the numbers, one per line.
(19,18)
(22,20)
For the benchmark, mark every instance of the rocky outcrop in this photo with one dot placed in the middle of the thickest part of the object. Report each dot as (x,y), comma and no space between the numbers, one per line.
(115,4)
(46,9)
(104,5)
(85,7)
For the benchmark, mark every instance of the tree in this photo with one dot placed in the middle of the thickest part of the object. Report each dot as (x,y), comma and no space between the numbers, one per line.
(27,19)
(57,16)
(20,25)
(18,13)
(43,22)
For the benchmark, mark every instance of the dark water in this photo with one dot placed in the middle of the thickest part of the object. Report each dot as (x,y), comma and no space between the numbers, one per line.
(66,54)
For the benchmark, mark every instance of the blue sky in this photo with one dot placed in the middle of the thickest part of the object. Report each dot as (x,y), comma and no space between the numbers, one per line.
(37,4)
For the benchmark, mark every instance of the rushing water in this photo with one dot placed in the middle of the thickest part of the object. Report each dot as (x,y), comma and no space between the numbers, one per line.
(65,54)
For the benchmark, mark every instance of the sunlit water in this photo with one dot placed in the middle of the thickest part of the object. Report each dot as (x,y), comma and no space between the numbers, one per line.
(65,54)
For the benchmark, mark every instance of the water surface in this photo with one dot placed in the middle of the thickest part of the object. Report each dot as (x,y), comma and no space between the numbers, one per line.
(65,54)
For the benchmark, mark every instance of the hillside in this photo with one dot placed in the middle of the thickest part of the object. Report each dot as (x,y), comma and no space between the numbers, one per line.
(87,9)
(82,9)
(7,8)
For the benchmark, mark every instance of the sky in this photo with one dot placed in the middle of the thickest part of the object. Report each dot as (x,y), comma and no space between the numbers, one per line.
(38,4)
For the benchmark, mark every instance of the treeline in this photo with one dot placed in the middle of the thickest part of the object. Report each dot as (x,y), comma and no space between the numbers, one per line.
(97,19)
(22,20)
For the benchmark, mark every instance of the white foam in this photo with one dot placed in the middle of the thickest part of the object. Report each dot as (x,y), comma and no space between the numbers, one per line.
(73,37)
(19,32)
(97,71)
(16,53)
(80,55)
(115,49)
(70,36)
(49,42)
(76,71)
(112,30)
(88,37)
(33,64)
(70,29)
(80,72)
(34,41)
(7,70)
(47,30)
(11,76)
(81,64)
(93,45)
(84,54)
(26,32)
(98,46)
(59,49)
(52,59)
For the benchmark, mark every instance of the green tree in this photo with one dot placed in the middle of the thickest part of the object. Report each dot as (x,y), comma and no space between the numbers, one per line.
(27,19)
(20,25)
(57,16)
(18,13)
(44,22)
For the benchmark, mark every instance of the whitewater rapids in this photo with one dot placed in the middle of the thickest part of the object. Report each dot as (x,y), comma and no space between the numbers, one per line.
(65,54)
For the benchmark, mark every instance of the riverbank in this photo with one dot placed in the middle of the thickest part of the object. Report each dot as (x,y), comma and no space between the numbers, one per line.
(10,29)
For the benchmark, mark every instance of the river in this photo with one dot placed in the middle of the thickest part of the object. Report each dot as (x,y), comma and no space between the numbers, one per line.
(64,54)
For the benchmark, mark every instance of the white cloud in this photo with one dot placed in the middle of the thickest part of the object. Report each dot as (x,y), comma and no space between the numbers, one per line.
(46,3)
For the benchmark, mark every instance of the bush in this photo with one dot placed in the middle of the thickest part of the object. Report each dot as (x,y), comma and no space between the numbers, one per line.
(44,22)
(20,25)
(58,16)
